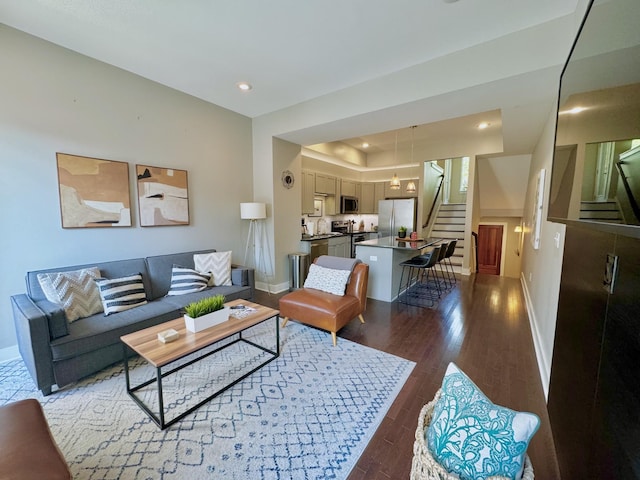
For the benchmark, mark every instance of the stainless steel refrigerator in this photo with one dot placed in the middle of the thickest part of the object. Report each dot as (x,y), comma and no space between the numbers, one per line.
(396,213)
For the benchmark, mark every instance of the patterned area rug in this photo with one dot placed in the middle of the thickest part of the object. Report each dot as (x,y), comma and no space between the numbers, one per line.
(307,415)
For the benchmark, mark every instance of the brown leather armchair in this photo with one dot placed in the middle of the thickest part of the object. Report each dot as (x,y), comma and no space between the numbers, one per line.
(27,448)
(325,310)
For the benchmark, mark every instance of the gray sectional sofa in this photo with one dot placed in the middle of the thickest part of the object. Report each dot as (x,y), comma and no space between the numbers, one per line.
(57,352)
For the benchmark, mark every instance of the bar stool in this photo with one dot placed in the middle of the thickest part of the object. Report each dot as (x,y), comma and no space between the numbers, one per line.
(447,262)
(444,246)
(418,285)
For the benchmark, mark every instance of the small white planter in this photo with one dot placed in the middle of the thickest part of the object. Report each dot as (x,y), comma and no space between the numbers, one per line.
(206,321)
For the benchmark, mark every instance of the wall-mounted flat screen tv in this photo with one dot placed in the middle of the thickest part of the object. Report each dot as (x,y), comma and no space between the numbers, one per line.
(596,166)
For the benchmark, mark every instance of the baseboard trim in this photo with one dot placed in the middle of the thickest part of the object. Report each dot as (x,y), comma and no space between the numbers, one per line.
(9,353)
(269,288)
(543,363)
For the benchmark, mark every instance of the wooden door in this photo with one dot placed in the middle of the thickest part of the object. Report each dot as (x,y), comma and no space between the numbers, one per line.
(489,249)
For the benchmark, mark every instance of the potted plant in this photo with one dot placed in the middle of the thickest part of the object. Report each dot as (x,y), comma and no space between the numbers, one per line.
(205,313)
(402,232)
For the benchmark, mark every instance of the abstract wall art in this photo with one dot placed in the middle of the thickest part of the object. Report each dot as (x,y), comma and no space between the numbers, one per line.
(93,192)
(163,196)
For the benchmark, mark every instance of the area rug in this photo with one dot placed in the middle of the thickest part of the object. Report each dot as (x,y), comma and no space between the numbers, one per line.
(309,414)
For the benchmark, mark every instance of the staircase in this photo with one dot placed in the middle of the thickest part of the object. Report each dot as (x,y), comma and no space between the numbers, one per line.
(449,225)
(600,212)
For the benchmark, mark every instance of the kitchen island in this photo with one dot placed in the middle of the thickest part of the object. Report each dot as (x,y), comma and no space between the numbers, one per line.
(384,255)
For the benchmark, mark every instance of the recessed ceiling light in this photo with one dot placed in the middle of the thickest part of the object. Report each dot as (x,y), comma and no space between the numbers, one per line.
(244,86)
(483,125)
(365,145)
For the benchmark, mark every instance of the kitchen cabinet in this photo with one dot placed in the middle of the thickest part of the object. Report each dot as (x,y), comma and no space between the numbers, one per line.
(331,205)
(340,246)
(325,184)
(402,192)
(349,188)
(308,188)
(378,194)
(367,199)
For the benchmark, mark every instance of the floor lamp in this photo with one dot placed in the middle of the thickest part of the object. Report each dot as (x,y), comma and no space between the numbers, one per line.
(255,212)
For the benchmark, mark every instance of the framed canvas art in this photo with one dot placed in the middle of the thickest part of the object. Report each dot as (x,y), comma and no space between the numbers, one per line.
(93,192)
(163,196)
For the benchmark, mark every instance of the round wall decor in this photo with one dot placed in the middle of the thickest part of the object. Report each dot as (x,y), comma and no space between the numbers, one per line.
(287,179)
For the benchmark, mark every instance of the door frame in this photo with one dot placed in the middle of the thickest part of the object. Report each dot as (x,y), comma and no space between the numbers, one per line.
(503,248)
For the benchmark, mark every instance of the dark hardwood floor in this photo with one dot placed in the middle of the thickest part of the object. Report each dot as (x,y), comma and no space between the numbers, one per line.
(482,325)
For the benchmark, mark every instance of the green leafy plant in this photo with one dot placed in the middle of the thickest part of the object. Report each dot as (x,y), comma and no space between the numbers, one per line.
(402,229)
(204,306)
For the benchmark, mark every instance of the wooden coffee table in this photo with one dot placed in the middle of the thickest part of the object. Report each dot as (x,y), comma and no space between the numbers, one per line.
(161,355)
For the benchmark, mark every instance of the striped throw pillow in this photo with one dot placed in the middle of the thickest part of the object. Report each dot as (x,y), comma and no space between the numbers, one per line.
(120,294)
(218,264)
(185,280)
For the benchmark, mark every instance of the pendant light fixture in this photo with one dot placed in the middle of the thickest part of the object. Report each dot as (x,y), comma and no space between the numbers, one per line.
(395,181)
(411,186)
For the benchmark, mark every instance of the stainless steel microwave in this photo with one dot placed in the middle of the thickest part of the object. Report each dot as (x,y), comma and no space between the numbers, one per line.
(348,204)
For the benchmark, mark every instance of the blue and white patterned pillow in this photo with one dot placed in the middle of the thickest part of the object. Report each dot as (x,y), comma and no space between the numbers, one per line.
(473,438)
(120,294)
(186,280)
(327,279)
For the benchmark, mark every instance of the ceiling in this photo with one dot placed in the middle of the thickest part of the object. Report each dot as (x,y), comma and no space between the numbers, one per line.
(290,51)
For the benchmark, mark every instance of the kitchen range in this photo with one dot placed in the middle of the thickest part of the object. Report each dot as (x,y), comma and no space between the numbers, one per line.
(346,227)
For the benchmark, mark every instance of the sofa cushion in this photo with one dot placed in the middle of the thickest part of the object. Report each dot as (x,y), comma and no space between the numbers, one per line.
(473,438)
(93,333)
(186,280)
(114,269)
(120,294)
(218,264)
(75,291)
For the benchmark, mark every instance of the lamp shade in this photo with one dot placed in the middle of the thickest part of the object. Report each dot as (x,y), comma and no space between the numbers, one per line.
(253,211)
(395,182)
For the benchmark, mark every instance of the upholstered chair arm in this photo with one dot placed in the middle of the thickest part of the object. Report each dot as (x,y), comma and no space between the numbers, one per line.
(358,283)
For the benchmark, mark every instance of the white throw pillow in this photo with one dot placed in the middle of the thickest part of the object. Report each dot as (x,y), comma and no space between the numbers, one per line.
(216,263)
(327,279)
(75,291)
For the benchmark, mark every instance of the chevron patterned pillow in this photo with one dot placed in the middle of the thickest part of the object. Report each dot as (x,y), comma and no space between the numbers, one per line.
(75,291)
(218,264)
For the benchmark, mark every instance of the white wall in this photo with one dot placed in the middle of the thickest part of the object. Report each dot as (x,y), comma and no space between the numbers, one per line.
(504,184)
(541,268)
(54,100)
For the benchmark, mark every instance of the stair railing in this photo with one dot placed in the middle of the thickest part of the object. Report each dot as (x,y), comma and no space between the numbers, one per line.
(627,188)
(435,200)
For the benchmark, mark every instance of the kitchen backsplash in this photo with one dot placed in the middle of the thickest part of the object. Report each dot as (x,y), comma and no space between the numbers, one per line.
(323,224)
